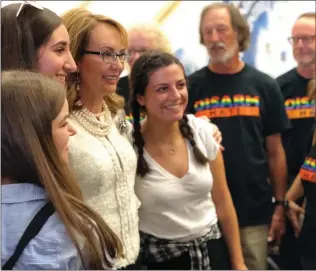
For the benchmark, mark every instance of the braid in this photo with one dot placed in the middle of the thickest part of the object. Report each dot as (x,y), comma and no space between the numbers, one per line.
(142,166)
(138,82)
(186,131)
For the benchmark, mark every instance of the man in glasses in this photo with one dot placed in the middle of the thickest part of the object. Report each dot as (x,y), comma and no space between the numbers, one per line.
(141,38)
(300,110)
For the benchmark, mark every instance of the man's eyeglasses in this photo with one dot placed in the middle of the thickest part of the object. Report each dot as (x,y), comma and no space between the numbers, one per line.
(31,3)
(108,56)
(305,39)
(139,51)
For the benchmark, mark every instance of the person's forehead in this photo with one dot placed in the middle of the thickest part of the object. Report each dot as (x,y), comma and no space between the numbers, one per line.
(305,22)
(167,74)
(60,34)
(142,40)
(216,16)
(105,35)
(304,25)
(133,35)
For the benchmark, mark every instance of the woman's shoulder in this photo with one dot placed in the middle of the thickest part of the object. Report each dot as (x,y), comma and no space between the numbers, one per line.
(51,248)
(200,124)
(203,131)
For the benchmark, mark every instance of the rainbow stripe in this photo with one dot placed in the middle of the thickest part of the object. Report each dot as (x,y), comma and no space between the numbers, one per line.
(299,103)
(131,119)
(310,164)
(308,170)
(238,100)
(227,106)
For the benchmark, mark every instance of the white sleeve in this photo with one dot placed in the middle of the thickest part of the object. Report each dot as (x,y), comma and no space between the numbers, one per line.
(204,130)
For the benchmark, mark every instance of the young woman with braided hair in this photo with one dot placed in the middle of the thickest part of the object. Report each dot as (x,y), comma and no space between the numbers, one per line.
(180,176)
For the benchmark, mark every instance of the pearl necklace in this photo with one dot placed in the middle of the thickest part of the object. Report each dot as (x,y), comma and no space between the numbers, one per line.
(90,123)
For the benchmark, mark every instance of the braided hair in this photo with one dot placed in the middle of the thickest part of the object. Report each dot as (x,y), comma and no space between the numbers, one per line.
(144,66)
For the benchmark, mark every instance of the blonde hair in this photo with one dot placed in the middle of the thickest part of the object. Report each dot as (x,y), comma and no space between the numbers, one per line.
(238,21)
(30,155)
(153,31)
(310,15)
(79,23)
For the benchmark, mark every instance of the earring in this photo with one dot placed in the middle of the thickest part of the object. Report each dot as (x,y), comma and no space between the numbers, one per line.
(78,81)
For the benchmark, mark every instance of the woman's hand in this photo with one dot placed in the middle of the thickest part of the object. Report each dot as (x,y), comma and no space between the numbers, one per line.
(293,214)
(217,134)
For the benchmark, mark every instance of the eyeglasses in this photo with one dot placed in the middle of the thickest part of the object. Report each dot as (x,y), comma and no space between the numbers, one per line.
(31,3)
(139,51)
(305,39)
(110,57)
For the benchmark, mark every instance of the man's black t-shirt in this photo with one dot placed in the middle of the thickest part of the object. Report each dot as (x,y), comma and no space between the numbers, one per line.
(247,107)
(300,111)
(308,232)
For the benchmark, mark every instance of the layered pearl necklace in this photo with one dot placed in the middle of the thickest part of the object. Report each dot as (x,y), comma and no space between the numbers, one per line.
(89,121)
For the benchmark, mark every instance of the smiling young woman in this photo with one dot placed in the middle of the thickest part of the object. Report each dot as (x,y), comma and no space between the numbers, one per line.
(181,178)
(35,40)
(45,223)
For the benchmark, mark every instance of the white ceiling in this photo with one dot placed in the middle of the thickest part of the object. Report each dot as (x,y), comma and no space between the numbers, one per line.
(126,12)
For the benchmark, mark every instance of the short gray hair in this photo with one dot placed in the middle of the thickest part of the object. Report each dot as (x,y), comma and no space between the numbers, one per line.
(153,31)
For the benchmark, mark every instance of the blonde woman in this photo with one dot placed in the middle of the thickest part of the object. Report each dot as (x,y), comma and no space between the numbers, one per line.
(101,154)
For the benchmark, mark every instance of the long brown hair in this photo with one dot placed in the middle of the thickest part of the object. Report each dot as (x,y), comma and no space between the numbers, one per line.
(79,23)
(22,36)
(142,69)
(311,92)
(29,103)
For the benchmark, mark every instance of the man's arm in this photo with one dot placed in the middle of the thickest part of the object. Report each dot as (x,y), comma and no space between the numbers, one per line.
(278,179)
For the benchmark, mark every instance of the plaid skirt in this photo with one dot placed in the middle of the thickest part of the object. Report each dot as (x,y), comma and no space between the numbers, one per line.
(157,250)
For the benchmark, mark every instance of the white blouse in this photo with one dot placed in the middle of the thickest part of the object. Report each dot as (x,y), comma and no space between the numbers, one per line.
(105,169)
(175,208)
